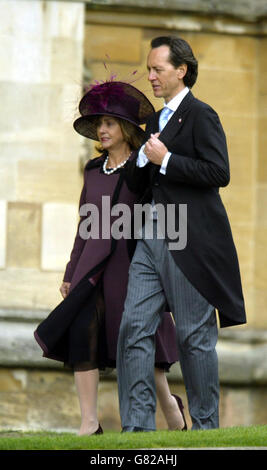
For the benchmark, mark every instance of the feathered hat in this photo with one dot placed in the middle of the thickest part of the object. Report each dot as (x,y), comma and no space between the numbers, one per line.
(112,98)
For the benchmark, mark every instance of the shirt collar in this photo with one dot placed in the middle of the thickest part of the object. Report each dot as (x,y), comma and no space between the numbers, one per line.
(176,101)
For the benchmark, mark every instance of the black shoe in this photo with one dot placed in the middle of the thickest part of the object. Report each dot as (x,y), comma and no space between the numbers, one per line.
(98,431)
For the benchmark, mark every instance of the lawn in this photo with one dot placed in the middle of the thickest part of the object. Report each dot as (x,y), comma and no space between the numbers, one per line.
(252,436)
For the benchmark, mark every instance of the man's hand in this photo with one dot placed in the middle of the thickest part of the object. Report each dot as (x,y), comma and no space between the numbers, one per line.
(155,150)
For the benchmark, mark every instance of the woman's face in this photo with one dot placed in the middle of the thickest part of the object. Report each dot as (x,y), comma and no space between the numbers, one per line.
(109,133)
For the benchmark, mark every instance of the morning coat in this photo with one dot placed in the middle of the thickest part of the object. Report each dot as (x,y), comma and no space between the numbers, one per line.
(197,167)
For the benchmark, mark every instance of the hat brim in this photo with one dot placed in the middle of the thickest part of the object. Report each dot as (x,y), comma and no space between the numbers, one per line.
(86,126)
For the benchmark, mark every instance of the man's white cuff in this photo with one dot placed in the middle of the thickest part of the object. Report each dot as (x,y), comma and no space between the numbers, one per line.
(164,164)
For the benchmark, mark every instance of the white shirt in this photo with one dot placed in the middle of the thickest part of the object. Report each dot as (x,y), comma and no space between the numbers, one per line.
(173,104)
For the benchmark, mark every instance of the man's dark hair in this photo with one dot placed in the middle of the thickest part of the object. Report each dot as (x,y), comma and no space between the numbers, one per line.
(180,53)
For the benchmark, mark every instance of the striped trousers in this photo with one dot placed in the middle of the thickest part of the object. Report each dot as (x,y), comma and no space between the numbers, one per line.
(154,280)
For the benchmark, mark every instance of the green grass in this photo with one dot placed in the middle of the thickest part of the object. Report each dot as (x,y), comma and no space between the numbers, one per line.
(252,436)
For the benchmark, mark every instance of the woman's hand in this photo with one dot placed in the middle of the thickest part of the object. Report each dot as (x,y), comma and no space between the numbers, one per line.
(64,289)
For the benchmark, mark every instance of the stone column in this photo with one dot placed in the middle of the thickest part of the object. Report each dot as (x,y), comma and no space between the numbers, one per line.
(41,72)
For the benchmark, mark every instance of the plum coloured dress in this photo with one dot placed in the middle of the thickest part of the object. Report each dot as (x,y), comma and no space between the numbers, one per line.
(83,329)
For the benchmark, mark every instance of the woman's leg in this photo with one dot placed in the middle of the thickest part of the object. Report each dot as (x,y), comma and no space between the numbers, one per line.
(167,402)
(87,386)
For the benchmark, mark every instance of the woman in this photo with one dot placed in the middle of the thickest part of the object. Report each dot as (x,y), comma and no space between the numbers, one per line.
(83,330)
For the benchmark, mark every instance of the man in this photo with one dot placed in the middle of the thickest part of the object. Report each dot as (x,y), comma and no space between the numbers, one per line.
(183,165)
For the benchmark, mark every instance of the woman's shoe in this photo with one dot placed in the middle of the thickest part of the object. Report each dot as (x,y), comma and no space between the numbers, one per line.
(181,408)
(98,431)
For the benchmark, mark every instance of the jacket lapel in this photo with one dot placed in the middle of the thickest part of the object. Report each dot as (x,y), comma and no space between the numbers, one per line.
(172,127)
(176,121)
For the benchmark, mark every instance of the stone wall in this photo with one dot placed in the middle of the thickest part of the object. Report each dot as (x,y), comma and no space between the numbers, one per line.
(47,48)
(41,73)
(243,9)
(46,400)
(40,168)
(260,239)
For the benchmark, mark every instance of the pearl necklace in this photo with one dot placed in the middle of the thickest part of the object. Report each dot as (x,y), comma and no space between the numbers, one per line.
(112,170)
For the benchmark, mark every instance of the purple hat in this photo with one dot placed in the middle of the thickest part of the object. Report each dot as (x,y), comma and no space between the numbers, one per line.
(112,98)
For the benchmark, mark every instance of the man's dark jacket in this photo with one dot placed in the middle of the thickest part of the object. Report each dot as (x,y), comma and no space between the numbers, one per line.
(198,166)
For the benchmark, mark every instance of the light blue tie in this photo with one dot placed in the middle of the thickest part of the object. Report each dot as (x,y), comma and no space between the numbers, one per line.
(163,119)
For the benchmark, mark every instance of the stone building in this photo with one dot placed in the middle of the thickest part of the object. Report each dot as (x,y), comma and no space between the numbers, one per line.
(48,49)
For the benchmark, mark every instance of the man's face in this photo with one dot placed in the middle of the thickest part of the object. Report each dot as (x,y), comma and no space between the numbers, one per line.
(166,80)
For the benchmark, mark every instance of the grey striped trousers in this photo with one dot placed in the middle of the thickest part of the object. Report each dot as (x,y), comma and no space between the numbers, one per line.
(154,278)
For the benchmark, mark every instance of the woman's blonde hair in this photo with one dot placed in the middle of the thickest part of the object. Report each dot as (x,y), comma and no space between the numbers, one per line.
(130,133)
